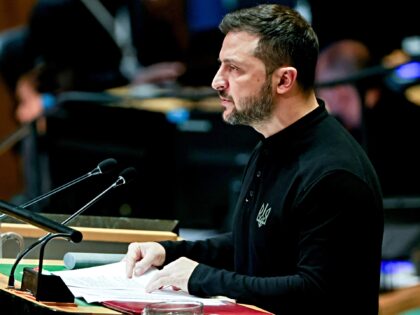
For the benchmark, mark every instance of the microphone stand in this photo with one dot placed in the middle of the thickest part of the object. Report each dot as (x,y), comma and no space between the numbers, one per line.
(120,181)
(46,287)
(60,292)
(44,238)
(47,237)
(30,280)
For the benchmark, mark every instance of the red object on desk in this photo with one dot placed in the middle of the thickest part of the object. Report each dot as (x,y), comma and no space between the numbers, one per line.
(135,308)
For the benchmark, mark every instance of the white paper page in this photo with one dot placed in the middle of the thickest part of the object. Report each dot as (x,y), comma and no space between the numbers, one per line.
(110,276)
(109,283)
(95,295)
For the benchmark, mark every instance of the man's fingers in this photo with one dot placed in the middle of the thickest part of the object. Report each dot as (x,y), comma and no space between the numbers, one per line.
(142,266)
(129,265)
(158,282)
(132,256)
(164,278)
(141,256)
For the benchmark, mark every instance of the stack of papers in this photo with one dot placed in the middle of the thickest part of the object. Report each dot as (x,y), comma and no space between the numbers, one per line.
(110,283)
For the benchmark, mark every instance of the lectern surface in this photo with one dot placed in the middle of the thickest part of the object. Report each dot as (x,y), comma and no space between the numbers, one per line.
(21,303)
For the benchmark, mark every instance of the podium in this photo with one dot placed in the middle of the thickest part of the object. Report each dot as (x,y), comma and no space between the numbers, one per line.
(100,234)
(21,303)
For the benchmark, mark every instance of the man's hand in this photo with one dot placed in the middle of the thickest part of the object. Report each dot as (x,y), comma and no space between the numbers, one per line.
(30,101)
(160,72)
(175,274)
(141,256)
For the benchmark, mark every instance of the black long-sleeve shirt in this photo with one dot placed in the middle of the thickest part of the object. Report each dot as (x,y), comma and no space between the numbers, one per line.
(307,231)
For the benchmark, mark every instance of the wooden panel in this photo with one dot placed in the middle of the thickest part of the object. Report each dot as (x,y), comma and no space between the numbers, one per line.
(12,13)
(399,301)
(11,180)
(95,234)
(96,240)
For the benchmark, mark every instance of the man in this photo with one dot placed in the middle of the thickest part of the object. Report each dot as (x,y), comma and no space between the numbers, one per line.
(309,219)
(344,60)
(83,45)
(93,45)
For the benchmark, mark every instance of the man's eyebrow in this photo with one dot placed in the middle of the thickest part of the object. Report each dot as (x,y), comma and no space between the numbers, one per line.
(228,60)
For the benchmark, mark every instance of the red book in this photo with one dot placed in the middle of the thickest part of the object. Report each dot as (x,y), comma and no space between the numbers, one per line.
(135,308)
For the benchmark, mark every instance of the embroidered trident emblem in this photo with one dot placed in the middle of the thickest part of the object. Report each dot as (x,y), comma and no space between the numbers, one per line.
(263,215)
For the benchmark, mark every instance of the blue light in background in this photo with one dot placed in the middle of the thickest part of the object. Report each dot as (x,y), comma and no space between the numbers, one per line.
(404,76)
(396,266)
(409,71)
(178,116)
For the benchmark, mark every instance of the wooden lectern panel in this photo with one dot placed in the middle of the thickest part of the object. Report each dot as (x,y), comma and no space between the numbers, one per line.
(99,240)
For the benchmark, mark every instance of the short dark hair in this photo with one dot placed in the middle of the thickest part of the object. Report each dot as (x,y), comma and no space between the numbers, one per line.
(286,38)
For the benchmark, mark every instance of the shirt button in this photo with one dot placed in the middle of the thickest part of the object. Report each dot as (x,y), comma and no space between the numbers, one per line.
(246,200)
(251,193)
(259,174)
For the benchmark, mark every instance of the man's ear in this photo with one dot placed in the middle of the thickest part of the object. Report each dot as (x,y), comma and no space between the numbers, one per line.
(284,79)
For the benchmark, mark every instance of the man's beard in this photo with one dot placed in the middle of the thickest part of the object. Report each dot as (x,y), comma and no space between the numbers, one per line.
(255,109)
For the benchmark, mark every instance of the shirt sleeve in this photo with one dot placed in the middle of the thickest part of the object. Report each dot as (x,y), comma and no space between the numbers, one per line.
(215,251)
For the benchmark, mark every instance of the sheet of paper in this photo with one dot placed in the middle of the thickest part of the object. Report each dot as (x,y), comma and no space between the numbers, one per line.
(110,276)
(109,283)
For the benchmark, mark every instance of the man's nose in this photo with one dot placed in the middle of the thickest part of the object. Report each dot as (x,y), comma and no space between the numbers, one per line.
(219,83)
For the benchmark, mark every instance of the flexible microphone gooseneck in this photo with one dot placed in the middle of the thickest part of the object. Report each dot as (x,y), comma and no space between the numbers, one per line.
(102,168)
(126,176)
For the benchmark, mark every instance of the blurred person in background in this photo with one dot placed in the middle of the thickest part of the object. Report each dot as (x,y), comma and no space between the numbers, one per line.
(341,61)
(94,45)
(85,45)
(357,90)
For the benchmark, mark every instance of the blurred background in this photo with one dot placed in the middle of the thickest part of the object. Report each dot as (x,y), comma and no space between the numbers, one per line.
(86,80)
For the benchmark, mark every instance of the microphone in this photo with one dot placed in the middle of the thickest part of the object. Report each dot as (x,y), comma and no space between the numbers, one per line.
(62,293)
(103,167)
(125,177)
(39,221)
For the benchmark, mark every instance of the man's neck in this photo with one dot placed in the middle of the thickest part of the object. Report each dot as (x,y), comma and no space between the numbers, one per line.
(287,111)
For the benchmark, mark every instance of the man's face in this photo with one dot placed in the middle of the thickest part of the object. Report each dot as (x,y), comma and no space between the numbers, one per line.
(244,89)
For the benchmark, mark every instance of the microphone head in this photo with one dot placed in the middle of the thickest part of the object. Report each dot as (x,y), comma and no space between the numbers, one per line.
(106,166)
(128,174)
